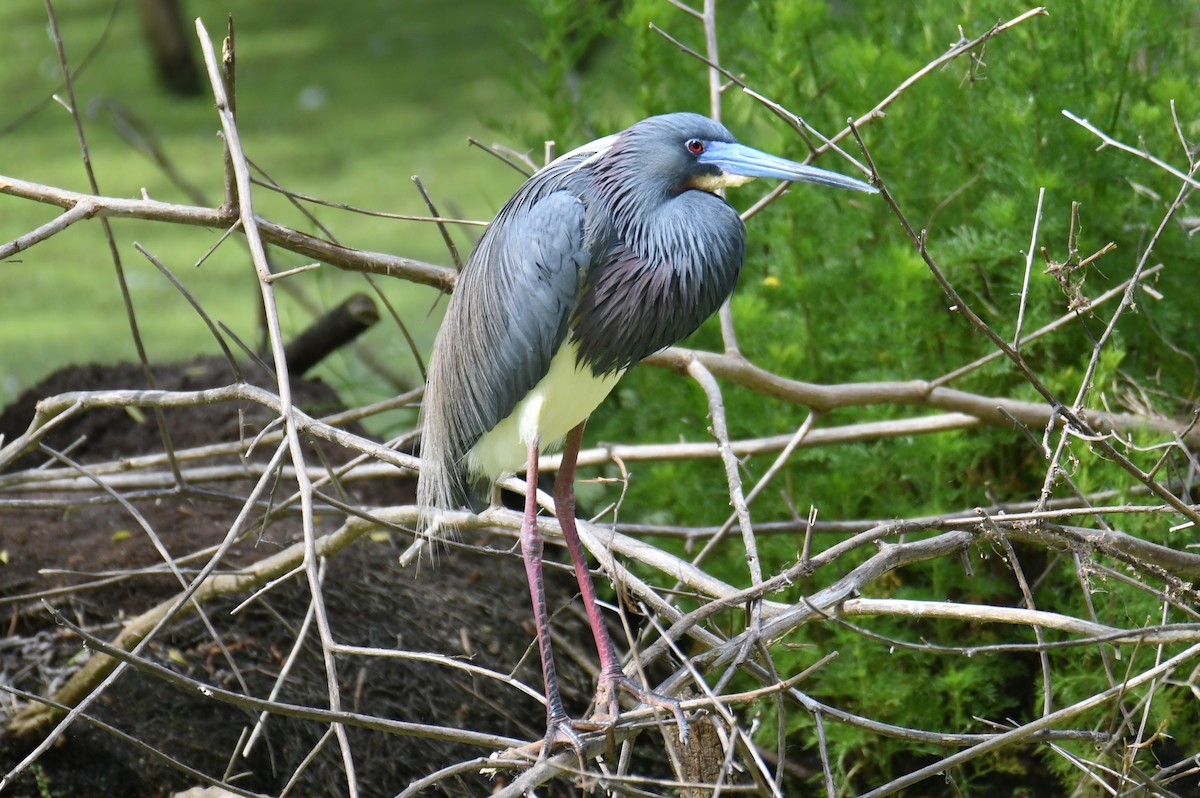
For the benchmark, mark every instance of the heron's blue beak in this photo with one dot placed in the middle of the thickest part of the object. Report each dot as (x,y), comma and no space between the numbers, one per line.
(738,160)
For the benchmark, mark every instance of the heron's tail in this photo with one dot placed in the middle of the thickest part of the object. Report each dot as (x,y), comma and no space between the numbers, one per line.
(440,483)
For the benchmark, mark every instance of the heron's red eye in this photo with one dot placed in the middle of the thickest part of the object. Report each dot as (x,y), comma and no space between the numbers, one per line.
(695,146)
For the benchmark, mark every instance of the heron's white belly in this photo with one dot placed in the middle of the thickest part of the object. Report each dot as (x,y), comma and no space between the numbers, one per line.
(561,400)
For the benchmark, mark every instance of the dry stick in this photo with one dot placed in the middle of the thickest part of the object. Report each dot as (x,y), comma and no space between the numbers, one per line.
(1127,297)
(132,472)
(1027,594)
(84,210)
(1037,220)
(308,759)
(284,671)
(446,239)
(196,306)
(229,78)
(709,20)
(866,431)
(716,411)
(1091,632)
(955,51)
(114,253)
(271,184)
(419,786)
(793,443)
(1100,775)
(1140,742)
(159,484)
(453,663)
(686,9)
(711,64)
(275,336)
(1045,722)
(1109,141)
(1183,142)
(993,410)
(519,161)
(52,409)
(416,271)
(823,750)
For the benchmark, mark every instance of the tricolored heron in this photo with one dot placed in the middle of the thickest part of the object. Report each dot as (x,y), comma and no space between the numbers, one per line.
(612,252)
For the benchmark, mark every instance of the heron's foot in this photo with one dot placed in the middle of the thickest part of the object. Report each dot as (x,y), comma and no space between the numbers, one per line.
(607,700)
(560,730)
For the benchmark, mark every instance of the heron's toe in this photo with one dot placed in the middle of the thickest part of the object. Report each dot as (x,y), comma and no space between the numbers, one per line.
(608,705)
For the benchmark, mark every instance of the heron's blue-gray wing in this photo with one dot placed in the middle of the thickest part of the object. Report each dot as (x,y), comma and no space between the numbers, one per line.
(507,317)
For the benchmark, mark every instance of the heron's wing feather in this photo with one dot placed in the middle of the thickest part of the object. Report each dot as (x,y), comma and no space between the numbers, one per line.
(508,316)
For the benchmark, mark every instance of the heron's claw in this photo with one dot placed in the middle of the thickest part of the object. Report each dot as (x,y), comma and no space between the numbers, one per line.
(561,731)
(607,697)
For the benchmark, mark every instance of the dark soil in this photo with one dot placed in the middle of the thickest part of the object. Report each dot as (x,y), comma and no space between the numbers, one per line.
(467,604)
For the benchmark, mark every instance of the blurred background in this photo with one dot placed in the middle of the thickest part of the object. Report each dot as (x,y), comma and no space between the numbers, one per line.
(343,104)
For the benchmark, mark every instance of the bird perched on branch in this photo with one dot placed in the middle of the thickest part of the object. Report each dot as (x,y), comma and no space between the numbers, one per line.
(612,252)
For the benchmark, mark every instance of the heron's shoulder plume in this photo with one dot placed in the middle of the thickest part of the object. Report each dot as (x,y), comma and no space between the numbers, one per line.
(586,154)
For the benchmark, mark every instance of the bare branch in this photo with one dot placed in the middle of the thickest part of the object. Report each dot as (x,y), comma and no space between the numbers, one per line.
(439,277)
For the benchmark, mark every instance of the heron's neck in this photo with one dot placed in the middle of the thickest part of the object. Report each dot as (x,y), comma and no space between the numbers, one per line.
(660,273)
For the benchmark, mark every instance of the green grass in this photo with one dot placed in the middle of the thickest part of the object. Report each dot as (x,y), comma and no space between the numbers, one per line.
(341,105)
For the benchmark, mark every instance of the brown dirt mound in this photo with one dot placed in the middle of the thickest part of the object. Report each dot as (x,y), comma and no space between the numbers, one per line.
(469,603)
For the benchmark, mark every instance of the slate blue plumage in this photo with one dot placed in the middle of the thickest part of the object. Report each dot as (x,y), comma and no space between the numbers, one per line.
(607,255)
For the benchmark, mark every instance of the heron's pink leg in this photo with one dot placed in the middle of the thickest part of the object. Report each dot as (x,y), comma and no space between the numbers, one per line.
(612,676)
(558,724)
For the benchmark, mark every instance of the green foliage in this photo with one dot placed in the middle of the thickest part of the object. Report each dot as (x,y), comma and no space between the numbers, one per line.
(44,789)
(833,292)
(573,38)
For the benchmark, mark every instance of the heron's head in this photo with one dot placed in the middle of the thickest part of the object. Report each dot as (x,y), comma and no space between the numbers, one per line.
(688,151)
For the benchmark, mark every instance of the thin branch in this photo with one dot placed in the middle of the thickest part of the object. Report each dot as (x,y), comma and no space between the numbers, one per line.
(83,210)
(279,356)
(1037,220)
(1109,141)
(346,258)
